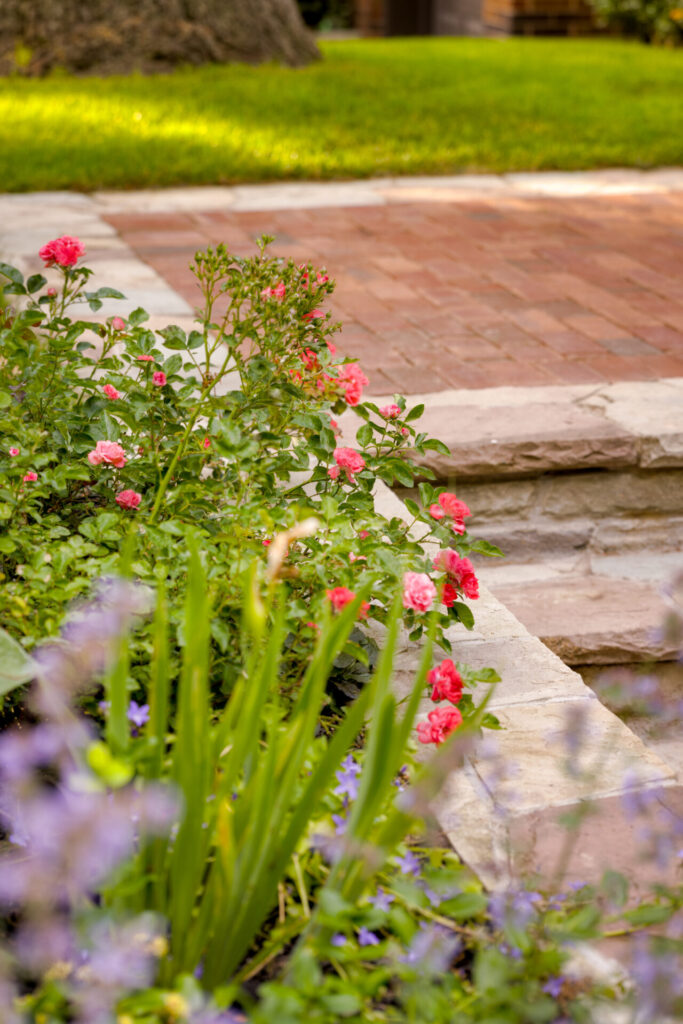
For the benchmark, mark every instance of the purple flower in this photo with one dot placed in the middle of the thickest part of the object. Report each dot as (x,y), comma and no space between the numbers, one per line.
(382,900)
(367,938)
(513,908)
(658,978)
(138,714)
(433,947)
(340,823)
(409,864)
(347,778)
(338,939)
(554,986)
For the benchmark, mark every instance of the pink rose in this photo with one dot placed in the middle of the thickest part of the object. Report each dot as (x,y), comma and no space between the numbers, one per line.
(333,472)
(456,509)
(145,359)
(64,252)
(418,591)
(315,314)
(118,324)
(109,452)
(460,572)
(30,478)
(436,512)
(159,378)
(339,597)
(446,682)
(322,278)
(350,461)
(353,380)
(390,412)
(206,443)
(13,452)
(52,293)
(128,499)
(332,349)
(111,392)
(441,722)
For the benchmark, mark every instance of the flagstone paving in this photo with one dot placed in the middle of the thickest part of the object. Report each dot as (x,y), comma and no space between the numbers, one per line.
(467,289)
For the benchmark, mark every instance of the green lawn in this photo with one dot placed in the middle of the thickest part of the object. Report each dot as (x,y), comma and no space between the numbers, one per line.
(372,107)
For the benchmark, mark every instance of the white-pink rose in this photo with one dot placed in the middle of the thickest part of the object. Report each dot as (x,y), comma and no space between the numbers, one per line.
(109,452)
(418,591)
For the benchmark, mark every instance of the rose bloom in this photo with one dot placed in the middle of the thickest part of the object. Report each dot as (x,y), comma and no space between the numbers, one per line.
(315,314)
(418,591)
(145,359)
(333,472)
(128,499)
(341,596)
(159,378)
(111,392)
(30,477)
(206,443)
(460,572)
(350,461)
(446,682)
(109,452)
(353,380)
(390,412)
(64,252)
(51,292)
(118,324)
(13,451)
(441,722)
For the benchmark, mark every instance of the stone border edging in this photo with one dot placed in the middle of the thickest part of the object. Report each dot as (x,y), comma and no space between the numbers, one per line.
(537,694)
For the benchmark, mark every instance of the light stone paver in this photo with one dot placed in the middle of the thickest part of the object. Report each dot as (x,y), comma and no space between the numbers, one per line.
(380,191)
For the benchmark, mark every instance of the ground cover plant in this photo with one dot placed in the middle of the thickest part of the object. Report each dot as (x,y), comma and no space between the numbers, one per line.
(211,807)
(371,107)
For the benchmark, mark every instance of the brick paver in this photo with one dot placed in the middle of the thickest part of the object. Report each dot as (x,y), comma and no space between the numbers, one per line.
(438,294)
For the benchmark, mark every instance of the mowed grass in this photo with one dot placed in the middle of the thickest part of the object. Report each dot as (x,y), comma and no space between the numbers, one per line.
(371,107)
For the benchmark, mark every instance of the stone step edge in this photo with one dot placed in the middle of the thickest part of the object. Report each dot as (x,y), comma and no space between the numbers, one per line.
(536,691)
(527,431)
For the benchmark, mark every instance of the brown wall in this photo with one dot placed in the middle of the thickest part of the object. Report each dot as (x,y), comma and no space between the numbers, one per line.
(477,17)
(536,17)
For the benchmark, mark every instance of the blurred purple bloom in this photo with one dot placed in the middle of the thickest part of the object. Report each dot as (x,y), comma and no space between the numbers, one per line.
(340,823)
(553,986)
(433,947)
(382,900)
(409,864)
(513,908)
(138,714)
(658,978)
(367,938)
(338,939)
(87,643)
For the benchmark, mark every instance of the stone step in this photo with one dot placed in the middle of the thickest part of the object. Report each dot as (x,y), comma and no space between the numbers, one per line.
(592,620)
(527,432)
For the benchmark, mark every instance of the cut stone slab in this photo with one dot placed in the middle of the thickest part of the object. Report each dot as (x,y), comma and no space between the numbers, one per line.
(532,748)
(507,441)
(592,620)
(610,838)
(652,411)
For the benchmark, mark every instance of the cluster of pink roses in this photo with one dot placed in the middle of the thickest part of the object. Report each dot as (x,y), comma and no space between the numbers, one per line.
(348,460)
(419,589)
(451,507)
(446,683)
(112,454)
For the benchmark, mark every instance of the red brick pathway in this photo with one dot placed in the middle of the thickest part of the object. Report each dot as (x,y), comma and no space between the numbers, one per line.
(475,294)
